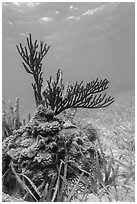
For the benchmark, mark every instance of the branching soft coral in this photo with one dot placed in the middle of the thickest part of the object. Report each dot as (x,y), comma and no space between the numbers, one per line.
(32,58)
(60,97)
(56,95)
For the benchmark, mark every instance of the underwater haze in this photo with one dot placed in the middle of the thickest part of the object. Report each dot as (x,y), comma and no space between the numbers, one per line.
(87,41)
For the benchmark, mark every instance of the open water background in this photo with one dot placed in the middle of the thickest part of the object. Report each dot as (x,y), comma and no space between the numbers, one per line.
(88,41)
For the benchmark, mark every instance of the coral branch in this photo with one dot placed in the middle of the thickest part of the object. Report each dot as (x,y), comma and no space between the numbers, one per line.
(32,63)
(60,97)
(56,95)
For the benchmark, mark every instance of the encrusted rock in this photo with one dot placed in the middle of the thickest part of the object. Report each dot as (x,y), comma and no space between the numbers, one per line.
(37,149)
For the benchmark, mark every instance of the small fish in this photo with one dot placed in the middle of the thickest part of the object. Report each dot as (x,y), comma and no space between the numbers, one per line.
(68,127)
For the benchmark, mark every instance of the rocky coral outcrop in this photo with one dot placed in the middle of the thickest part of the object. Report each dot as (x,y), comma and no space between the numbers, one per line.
(37,149)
